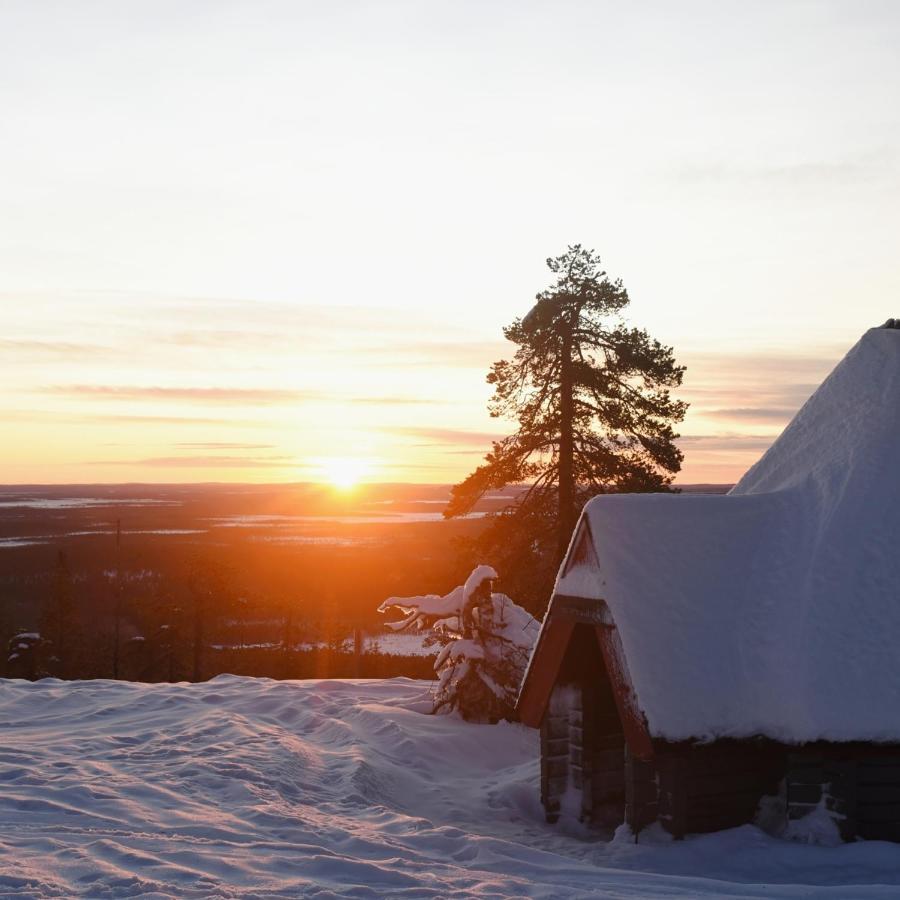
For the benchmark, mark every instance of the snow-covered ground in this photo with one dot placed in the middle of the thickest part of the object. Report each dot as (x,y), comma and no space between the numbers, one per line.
(391,644)
(253,788)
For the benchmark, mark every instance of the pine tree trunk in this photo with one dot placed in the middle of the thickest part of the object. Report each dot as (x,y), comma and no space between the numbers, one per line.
(565,520)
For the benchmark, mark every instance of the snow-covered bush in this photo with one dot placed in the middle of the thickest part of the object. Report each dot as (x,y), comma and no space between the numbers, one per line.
(485,643)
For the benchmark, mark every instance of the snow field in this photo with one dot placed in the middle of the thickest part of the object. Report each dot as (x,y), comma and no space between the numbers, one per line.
(253,788)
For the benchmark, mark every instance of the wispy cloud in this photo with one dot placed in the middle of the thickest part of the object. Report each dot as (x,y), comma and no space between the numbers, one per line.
(67,418)
(234,396)
(762,388)
(754,414)
(223,339)
(396,401)
(445,436)
(462,354)
(50,349)
(221,445)
(854,169)
(203,462)
(727,442)
(171,420)
(205,320)
(220,395)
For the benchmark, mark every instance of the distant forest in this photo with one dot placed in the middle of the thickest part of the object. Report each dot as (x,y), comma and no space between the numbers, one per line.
(186,595)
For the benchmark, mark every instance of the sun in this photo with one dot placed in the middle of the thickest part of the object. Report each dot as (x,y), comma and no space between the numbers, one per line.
(344,472)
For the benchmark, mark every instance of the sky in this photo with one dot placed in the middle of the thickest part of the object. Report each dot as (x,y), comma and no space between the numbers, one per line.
(278,241)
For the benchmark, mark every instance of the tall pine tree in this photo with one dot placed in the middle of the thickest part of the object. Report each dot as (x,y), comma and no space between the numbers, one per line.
(591,397)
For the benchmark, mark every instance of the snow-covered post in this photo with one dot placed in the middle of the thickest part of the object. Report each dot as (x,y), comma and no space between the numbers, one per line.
(23,656)
(485,642)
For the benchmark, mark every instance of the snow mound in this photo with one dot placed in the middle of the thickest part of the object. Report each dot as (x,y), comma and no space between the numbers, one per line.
(773,610)
(252,788)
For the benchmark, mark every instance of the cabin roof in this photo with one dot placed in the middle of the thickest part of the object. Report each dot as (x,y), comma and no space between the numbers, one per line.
(773,610)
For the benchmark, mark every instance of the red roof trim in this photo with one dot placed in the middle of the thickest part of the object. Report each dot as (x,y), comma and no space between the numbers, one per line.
(582,552)
(544,669)
(634,725)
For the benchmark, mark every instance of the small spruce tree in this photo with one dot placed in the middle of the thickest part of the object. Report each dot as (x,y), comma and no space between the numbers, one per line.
(485,641)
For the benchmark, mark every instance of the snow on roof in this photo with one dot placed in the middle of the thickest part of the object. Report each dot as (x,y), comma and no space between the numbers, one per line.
(775,609)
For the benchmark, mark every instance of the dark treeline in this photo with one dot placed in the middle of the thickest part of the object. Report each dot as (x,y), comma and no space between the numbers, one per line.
(174,610)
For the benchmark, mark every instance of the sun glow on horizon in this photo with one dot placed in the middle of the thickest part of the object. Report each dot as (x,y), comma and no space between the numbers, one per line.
(344,472)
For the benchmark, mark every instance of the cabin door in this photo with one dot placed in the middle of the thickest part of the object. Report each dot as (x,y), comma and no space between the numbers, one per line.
(583,746)
(601,772)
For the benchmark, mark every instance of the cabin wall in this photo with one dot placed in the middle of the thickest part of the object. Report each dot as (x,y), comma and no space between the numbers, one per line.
(859,784)
(697,788)
(642,793)
(555,752)
(710,787)
(715,786)
(874,798)
(582,744)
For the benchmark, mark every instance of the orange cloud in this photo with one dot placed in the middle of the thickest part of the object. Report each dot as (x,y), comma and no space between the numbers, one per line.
(237,396)
(448,436)
(204,462)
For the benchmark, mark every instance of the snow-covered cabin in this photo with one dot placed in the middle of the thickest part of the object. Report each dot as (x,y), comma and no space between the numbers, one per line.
(701,652)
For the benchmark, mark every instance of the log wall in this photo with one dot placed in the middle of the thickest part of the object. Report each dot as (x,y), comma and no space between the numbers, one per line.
(696,788)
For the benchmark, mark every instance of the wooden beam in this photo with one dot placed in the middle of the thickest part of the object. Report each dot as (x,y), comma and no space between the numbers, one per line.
(634,726)
(542,673)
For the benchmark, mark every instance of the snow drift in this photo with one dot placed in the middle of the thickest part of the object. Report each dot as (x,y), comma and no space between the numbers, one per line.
(252,788)
(773,610)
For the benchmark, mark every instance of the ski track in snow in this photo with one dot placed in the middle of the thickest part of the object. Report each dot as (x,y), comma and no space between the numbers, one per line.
(253,788)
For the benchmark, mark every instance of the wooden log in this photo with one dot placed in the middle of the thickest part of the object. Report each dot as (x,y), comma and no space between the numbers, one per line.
(871,774)
(741,806)
(807,775)
(557,767)
(880,831)
(610,760)
(554,762)
(557,727)
(876,794)
(873,759)
(809,794)
(608,782)
(555,747)
(877,813)
(714,822)
(725,758)
(843,795)
(727,783)
(641,793)
(673,794)
(804,782)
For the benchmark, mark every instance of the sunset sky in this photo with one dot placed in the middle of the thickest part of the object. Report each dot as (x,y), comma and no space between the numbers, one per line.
(242,240)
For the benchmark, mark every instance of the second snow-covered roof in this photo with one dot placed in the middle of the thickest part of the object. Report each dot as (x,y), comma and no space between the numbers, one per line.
(773,610)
